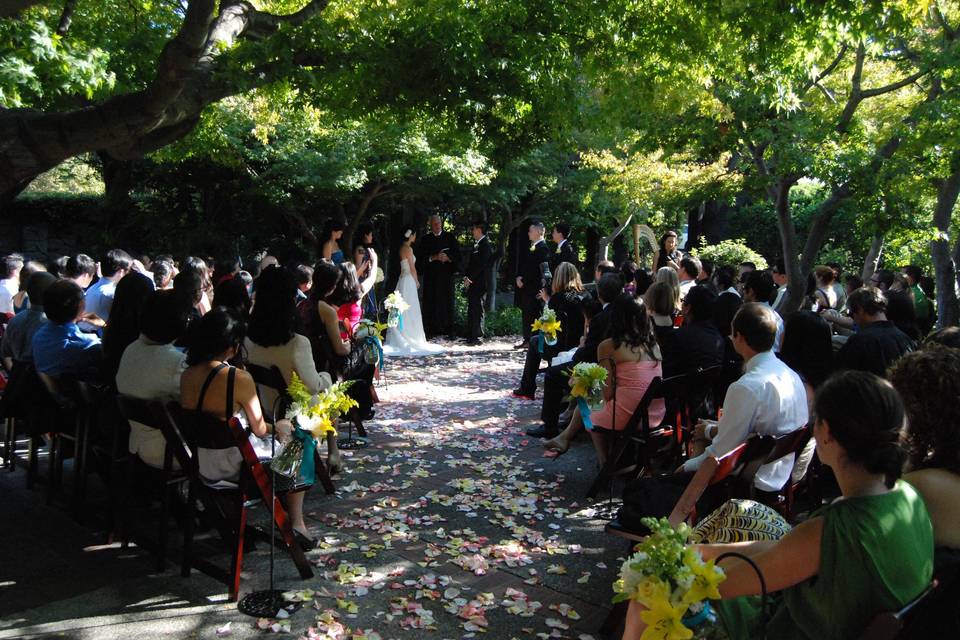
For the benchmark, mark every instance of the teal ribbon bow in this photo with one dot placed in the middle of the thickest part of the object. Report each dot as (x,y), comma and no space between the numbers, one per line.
(308,469)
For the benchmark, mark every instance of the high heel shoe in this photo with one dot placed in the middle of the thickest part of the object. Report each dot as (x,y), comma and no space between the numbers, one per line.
(334,466)
(307,544)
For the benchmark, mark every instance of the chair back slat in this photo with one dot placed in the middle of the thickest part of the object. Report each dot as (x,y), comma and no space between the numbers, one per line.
(146,412)
(271,378)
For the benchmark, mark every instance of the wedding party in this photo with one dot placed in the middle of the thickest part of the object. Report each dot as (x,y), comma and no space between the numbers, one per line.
(522,321)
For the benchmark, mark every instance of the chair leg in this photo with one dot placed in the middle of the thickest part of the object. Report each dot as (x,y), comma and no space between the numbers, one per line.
(236,562)
(324,475)
(56,465)
(32,461)
(188,531)
(162,534)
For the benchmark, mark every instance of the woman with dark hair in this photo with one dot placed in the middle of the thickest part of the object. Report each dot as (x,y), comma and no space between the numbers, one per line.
(642,280)
(929,383)
(319,319)
(330,240)
(632,359)
(627,271)
(132,292)
(667,254)
(346,298)
(209,382)
(232,294)
(197,266)
(272,341)
(366,261)
(869,552)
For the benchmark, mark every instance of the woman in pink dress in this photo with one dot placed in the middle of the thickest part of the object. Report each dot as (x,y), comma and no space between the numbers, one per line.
(346,298)
(632,359)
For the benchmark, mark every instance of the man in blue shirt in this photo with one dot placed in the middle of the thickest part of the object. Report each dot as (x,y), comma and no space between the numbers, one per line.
(100,294)
(59,347)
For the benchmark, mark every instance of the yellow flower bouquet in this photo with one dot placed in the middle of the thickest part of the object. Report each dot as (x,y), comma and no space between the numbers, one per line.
(548,326)
(314,419)
(671,580)
(587,380)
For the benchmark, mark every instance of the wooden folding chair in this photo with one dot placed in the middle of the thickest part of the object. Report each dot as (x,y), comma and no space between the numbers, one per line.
(639,434)
(69,418)
(889,624)
(794,443)
(187,431)
(272,379)
(151,414)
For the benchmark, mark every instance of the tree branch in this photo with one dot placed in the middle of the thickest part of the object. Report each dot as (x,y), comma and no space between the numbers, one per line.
(10,8)
(263,25)
(66,17)
(853,100)
(826,72)
(893,86)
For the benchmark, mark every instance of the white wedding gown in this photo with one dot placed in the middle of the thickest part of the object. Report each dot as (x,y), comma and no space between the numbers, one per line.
(411,341)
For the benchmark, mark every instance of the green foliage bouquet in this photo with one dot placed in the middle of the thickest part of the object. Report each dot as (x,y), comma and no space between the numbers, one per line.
(669,578)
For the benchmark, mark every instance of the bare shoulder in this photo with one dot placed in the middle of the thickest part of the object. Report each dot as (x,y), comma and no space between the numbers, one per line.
(933,481)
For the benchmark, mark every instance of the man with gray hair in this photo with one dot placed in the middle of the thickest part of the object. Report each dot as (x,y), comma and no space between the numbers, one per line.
(440,254)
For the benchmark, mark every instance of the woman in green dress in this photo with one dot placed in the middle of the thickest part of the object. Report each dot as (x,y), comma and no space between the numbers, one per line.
(869,551)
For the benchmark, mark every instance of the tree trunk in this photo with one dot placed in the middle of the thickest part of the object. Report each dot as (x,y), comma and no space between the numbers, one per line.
(945,269)
(872,261)
(377,189)
(796,276)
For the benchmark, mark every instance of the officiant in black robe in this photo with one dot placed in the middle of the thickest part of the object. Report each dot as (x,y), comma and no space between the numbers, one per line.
(439,261)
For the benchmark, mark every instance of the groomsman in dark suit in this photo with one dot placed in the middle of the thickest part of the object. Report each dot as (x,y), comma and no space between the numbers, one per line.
(530,278)
(476,279)
(565,251)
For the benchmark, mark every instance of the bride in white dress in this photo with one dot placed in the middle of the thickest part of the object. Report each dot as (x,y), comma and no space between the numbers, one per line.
(411,340)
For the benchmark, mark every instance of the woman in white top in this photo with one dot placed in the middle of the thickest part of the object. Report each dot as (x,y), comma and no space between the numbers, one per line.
(272,340)
(151,366)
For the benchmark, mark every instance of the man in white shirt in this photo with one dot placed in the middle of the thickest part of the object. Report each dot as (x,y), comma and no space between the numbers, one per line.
(100,295)
(689,270)
(769,399)
(10,284)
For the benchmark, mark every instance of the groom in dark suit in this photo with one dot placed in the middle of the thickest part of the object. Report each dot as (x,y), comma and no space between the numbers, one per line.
(565,252)
(476,278)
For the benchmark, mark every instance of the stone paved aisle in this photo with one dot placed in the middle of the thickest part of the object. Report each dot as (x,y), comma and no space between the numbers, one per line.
(451,524)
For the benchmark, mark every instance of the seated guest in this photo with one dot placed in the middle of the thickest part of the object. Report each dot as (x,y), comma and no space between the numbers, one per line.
(21,301)
(81,269)
(232,294)
(928,381)
(825,296)
(346,298)
(689,272)
(564,300)
(225,269)
(705,279)
(150,367)
(877,344)
(303,274)
(659,301)
(130,295)
(163,273)
(59,347)
(632,359)
(198,267)
(206,386)
(768,399)
(725,278)
(759,287)
(948,337)
(100,294)
(697,344)
(555,382)
(642,280)
(272,340)
(17,345)
(11,266)
(779,274)
(669,275)
(870,552)
(627,271)
(320,319)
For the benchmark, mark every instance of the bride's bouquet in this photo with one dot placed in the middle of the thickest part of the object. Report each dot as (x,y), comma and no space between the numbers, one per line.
(313,419)
(548,326)
(587,380)
(671,580)
(395,306)
(369,335)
